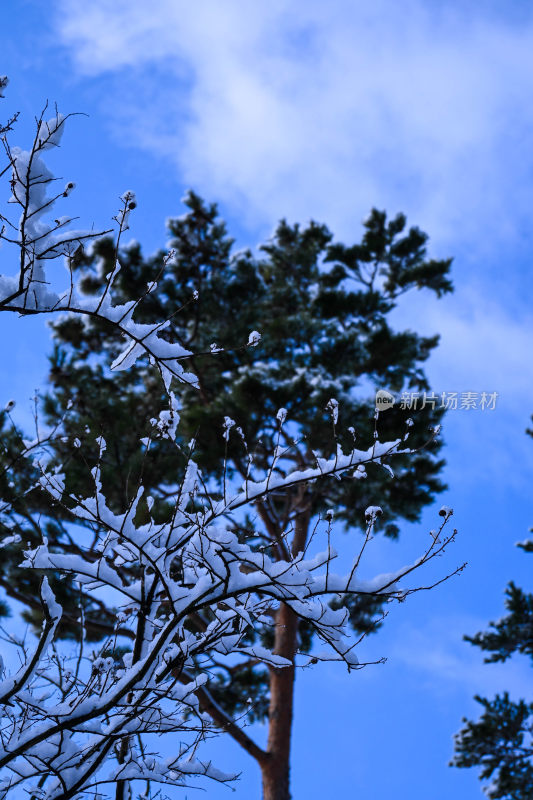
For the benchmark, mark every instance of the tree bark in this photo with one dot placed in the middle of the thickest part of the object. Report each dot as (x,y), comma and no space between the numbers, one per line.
(275,769)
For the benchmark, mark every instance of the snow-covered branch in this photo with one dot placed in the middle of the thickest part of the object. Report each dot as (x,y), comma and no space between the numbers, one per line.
(164,577)
(41,241)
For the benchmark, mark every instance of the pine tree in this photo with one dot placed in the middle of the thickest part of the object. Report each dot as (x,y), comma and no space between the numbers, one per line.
(195,594)
(501,742)
(323,311)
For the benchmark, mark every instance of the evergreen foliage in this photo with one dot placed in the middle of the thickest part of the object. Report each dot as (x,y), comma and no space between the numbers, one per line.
(501,741)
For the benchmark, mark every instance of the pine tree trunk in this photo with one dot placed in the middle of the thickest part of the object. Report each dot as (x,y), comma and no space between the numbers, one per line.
(275,769)
(275,782)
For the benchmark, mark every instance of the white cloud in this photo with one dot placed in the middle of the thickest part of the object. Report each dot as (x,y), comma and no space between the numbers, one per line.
(485,342)
(446,663)
(322,109)
(485,345)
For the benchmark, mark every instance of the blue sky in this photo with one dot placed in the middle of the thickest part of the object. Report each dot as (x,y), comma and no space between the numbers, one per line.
(324,110)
